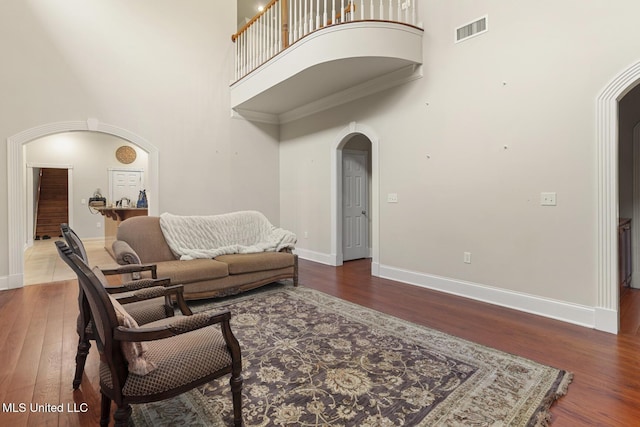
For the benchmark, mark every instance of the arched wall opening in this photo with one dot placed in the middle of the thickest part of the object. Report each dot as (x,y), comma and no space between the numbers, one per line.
(336,193)
(16,170)
(607,310)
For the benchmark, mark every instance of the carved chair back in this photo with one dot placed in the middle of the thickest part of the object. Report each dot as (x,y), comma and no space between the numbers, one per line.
(102,313)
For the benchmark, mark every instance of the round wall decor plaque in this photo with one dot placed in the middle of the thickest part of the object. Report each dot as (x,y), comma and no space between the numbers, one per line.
(125,154)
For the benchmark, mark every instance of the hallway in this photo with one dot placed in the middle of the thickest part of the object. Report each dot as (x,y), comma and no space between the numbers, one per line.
(42,264)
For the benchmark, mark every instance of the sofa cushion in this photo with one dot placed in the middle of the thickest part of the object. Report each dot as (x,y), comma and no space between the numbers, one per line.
(262,261)
(193,270)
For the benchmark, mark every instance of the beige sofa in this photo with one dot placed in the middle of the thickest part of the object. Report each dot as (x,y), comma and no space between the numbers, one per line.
(140,240)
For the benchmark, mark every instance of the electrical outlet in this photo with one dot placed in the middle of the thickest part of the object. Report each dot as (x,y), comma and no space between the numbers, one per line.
(392,198)
(548,199)
(467,257)
(99,224)
(306,234)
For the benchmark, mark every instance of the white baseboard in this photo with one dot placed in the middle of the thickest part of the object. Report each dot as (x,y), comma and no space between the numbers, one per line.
(318,257)
(607,320)
(4,283)
(559,310)
(590,317)
(16,281)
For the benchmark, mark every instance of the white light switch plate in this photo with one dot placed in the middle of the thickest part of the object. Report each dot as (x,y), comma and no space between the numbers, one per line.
(392,198)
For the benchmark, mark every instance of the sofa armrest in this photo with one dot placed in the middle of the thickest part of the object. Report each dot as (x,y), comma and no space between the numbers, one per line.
(124,253)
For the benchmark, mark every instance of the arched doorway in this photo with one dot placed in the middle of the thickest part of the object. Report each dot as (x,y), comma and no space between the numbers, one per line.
(607,303)
(16,200)
(341,140)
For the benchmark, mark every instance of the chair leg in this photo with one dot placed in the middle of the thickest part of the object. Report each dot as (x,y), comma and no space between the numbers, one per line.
(122,415)
(236,392)
(105,411)
(295,270)
(81,358)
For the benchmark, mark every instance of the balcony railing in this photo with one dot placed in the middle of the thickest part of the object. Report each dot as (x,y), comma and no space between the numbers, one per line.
(283,22)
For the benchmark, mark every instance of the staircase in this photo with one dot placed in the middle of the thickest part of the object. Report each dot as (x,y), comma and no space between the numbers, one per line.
(51,203)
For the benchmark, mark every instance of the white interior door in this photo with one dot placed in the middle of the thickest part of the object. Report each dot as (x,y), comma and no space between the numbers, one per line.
(125,183)
(354,205)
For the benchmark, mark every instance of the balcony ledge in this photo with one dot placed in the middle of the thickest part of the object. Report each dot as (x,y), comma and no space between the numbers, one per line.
(329,67)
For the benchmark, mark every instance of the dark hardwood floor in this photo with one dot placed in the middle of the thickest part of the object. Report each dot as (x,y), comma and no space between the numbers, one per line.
(38,343)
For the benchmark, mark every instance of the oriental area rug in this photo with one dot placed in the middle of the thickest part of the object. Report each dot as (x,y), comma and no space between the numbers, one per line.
(310,359)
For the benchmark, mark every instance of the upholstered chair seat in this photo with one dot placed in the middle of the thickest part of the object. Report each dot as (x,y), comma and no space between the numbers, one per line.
(179,360)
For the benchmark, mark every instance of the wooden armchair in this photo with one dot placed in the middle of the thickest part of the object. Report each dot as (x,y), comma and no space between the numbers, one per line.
(144,303)
(158,360)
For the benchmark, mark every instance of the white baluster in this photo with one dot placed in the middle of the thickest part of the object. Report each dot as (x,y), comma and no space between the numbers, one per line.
(372,10)
(238,58)
(333,11)
(362,10)
(278,13)
(311,20)
(269,33)
(255,46)
(324,14)
(250,48)
(274,29)
(290,15)
(260,41)
(247,49)
(294,23)
(304,19)
(263,39)
(414,7)
(300,23)
(240,55)
(399,15)
(406,12)
(341,10)
(245,54)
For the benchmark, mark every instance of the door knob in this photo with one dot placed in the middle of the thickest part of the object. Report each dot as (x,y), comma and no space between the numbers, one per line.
(364,212)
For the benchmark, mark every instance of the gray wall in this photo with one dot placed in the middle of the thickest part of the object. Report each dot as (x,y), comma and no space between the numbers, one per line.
(529,84)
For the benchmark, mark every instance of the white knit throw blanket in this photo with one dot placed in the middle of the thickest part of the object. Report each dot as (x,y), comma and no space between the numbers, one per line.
(191,237)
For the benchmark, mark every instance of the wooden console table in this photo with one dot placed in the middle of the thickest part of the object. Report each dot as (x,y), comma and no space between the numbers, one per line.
(112,219)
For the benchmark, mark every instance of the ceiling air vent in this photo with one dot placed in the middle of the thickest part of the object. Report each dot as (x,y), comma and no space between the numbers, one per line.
(472,29)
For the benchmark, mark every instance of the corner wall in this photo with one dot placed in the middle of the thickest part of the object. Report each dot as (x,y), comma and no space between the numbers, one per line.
(496,120)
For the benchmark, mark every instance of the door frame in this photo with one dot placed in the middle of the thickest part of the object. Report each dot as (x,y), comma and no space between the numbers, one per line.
(336,194)
(29,195)
(366,195)
(607,310)
(16,193)
(635,219)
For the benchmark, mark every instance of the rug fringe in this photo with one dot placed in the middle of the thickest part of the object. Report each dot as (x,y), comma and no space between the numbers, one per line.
(563,387)
(543,417)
